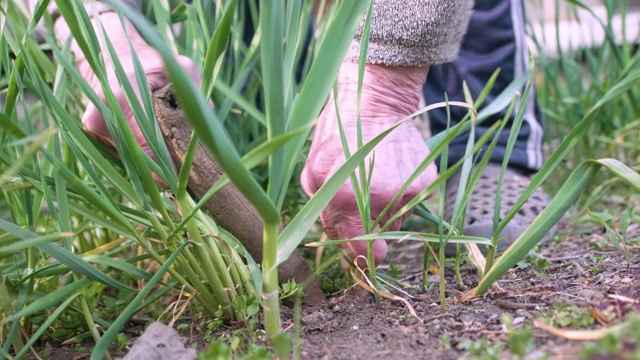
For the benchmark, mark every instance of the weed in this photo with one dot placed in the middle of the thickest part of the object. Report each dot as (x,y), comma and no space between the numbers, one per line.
(594,270)
(539,263)
(218,350)
(212,327)
(334,278)
(290,289)
(520,340)
(394,271)
(445,342)
(46,353)
(616,231)
(567,315)
(243,343)
(482,349)
(121,342)
(598,258)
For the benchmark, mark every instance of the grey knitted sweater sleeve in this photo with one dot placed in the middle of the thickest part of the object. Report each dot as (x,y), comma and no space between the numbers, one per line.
(414,32)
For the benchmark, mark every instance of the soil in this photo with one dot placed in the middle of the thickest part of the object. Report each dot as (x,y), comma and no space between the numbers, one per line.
(583,270)
(586,283)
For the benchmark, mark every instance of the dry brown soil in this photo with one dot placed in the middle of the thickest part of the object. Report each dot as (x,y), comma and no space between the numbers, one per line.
(584,273)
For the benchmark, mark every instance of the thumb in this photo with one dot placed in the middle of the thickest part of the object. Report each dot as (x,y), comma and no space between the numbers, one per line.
(95,124)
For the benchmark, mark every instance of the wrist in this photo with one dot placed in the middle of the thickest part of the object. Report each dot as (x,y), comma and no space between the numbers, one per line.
(388,93)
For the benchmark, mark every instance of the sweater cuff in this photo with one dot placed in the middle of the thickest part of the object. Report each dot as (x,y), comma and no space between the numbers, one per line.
(413,32)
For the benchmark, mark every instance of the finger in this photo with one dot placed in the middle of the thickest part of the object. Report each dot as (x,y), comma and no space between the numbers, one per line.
(427,177)
(307,181)
(349,227)
(395,208)
(94,122)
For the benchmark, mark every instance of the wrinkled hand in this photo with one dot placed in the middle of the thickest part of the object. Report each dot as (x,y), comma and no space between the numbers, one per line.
(154,69)
(388,95)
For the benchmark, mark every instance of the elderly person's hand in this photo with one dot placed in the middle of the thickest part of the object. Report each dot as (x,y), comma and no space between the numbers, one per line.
(388,95)
(123,39)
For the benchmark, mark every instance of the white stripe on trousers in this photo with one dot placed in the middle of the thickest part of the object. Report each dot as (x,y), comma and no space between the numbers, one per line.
(521,61)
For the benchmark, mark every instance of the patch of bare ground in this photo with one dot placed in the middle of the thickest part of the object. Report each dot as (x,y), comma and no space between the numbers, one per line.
(584,282)
(585,277)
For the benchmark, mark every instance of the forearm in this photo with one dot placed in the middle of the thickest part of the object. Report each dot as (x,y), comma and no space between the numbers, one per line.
(414,32)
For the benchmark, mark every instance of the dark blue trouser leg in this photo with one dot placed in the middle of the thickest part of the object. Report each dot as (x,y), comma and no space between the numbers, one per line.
(495,39)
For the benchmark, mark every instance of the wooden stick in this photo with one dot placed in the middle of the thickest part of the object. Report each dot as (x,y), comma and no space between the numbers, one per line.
(229,207)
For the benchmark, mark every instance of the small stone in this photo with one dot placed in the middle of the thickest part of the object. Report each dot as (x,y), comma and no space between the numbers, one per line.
(467,317)
(591,295)
(433,279)
(524,313)
(536,354)
(405,330)
(160,342)
(314,317)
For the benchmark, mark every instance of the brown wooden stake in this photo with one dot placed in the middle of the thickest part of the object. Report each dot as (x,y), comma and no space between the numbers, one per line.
(229,207)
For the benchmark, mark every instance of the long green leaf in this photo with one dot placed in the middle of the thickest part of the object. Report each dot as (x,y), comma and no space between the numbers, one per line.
(33,242)
(498,104)
(45,325)
(48,301)
(249,160)
(73,261)
(26,155)
(322,74)
(103,345)
(204,121)
(565,199)
(274,88)
(216,48)
(10,127)
(409,236)
(571,140)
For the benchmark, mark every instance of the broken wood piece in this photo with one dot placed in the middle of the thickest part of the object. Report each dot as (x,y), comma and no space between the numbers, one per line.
(229,207)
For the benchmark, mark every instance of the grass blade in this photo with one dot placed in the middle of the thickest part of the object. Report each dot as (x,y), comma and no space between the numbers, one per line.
(108,337)
(73,261)
(565,199)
